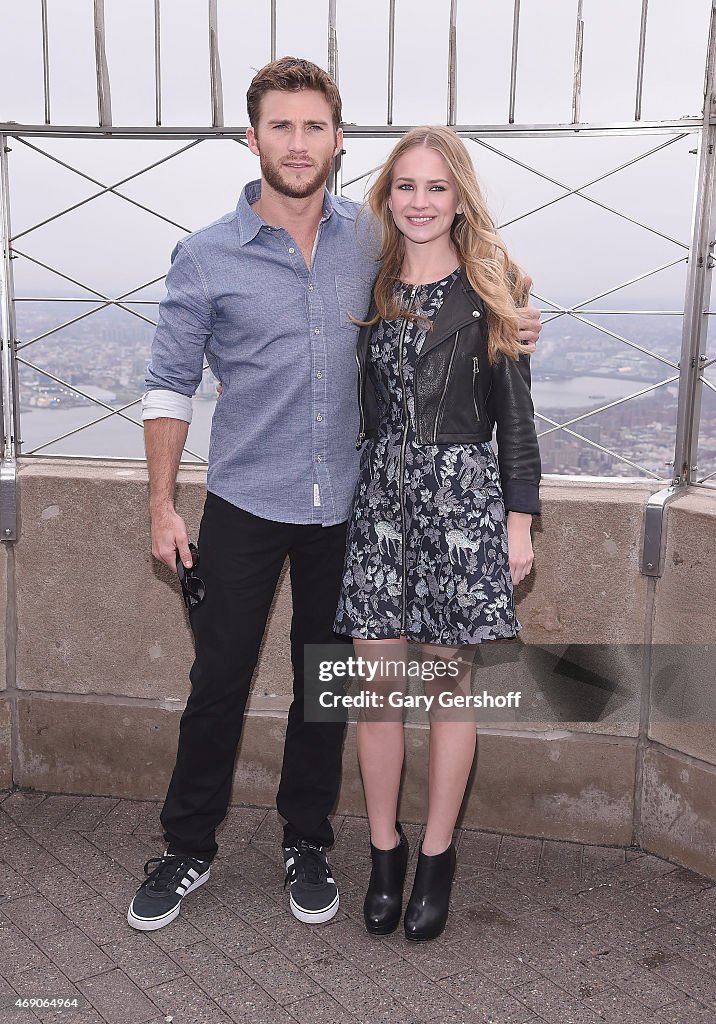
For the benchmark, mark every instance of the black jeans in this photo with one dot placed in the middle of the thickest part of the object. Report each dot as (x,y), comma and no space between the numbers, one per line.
(241,557)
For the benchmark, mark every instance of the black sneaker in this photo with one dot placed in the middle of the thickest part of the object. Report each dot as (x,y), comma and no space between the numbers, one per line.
(313,892)
(159,897)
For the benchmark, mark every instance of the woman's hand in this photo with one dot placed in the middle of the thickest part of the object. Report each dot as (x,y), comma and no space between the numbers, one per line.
(519,545)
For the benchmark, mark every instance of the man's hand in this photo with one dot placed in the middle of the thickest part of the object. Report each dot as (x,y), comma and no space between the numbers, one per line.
(164,440)
(169,533)
(530,326)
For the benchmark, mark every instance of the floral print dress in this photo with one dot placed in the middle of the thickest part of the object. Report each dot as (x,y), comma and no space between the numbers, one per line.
(426,552)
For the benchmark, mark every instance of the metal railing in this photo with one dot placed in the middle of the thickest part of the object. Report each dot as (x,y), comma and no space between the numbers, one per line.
(696,253)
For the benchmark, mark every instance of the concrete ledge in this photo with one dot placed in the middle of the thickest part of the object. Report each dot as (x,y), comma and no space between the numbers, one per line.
(3,615)
(686,593)
(564,786)
(104,651)
(111,618)
(6,779)
(558,785)
(586,586)
(678,814)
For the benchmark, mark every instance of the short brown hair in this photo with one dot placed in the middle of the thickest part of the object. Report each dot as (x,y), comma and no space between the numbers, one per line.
(288,74)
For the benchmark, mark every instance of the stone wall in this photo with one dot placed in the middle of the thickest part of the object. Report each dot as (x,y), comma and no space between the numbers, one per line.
(103,651)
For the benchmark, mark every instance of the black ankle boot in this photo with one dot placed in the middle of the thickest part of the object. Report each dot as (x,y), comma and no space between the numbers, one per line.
(427,910)
(384,900)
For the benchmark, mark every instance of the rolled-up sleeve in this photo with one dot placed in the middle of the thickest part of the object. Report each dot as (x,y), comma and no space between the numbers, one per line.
(185,324)
(160,404)
(517,446)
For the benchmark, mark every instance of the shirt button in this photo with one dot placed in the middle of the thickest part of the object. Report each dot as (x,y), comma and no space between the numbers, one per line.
(319,458)
(319,418)
(292,250)
(310,287)
(317,330)
(319,374)
(475,312)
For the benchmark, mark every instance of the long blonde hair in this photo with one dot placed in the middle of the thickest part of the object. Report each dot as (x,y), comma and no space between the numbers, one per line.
(489,268)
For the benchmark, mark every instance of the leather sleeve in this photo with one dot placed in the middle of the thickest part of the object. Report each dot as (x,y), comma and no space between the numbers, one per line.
(517,446)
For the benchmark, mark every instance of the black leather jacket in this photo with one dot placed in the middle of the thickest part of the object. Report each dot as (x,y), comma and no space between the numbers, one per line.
(459,396)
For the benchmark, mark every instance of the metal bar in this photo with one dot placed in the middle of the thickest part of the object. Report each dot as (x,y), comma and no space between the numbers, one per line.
(698,283)
(599,447)
(66,277)
(610,291)
(157,63)
(8,362)
(391,61)
(105,188)
(70,298)
(606,129)
(513,64)
(592,181)
(360,177)
(104,98)
(452,66)
(122,181)
(626,341)
(602,312)
(96,401)
(85,426)
(578,191)
(332,42)
(71,387)
(217,91)
(610,405)
(640,62)
(61,327)
(654,545)
(578,54)
(46,62)
(96,195)
(336,178)
(119,302)
(273,29)
(101,419)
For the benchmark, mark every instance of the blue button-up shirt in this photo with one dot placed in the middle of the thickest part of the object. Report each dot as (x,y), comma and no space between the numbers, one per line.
(279,338)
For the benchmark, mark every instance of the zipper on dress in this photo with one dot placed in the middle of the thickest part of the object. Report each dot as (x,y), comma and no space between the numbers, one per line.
(441,403)
(361,428)
(475,372)
(401,471)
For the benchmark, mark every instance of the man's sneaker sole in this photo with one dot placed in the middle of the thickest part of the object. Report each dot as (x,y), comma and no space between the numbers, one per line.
(315,916)
(151,924)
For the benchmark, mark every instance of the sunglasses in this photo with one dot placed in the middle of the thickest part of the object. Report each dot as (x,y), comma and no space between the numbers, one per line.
(192,588)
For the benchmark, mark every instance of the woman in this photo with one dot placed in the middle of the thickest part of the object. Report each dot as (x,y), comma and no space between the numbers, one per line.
(431,557)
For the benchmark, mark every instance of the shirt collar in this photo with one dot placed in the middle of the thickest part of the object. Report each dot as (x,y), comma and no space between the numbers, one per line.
(250,223)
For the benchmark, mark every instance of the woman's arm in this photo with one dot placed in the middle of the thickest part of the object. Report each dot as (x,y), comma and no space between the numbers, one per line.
(519,544)
(518,457)
(517,448)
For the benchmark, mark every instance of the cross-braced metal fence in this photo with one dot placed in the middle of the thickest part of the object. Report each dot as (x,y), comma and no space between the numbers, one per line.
(677,375)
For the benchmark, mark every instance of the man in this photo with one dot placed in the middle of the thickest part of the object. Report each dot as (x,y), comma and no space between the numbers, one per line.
(266,294)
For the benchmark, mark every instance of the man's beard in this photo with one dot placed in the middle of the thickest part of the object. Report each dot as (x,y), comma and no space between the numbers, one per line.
(273,174)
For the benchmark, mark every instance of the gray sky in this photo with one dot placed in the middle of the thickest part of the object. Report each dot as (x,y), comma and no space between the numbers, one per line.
(573,249)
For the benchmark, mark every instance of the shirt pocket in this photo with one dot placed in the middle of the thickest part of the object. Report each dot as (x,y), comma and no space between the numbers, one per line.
(353,293)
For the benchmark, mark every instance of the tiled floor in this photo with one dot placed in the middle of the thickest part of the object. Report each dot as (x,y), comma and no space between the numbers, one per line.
(539,931)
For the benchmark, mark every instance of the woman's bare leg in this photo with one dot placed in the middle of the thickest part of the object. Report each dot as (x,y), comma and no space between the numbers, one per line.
(453,742)
(381,744)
